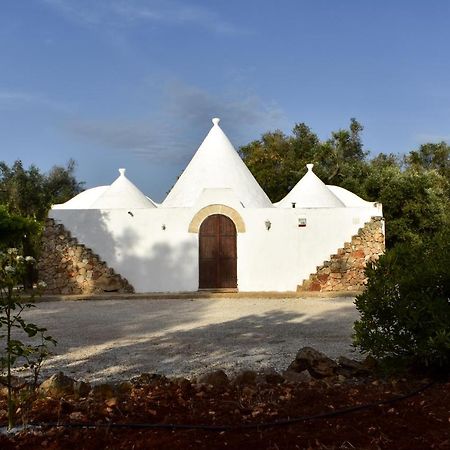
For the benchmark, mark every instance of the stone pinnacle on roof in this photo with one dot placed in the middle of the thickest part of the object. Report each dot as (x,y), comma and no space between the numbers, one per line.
(215,165)
(310,192)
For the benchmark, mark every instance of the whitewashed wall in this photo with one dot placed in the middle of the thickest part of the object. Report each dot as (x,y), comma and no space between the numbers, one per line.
(157,260)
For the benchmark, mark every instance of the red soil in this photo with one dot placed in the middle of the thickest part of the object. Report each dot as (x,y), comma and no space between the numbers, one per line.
(419,422)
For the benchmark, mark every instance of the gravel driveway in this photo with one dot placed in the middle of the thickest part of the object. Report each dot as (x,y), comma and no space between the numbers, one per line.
(117,339)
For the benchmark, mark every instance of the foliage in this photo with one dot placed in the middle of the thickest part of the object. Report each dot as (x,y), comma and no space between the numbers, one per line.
(405,309)
(414,190)
(25,198)
(278,161)
(12,268)
(30,193)
(14,228)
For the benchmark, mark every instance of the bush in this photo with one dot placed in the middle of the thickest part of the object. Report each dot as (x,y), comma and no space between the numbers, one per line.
(405,310)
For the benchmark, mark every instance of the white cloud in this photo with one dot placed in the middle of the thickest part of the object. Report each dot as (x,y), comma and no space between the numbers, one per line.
(175,132)
(151,140)
(11,99)
(122,13)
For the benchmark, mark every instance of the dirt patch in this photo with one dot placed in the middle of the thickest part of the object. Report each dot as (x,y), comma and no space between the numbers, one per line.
(419,422)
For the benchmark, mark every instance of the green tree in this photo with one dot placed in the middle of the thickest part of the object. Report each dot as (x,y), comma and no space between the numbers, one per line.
(30,193)
(278,161)
(26,195)
(15,229)
(431,157)
(414,189)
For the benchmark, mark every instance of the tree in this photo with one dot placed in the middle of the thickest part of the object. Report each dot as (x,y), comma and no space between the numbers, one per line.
(26,195)
(15,229)
(431,157)
(278,161)
(29,193)
(414,189)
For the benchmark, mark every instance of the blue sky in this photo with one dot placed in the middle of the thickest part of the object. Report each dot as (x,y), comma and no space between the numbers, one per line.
(134,83)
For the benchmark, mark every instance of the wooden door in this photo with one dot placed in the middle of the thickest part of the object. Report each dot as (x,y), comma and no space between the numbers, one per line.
(217,253)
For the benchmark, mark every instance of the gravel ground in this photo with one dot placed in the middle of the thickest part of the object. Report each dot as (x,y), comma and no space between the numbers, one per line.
(105,340)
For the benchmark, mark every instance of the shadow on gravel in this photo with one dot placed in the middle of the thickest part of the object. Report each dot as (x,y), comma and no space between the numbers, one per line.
(169,341)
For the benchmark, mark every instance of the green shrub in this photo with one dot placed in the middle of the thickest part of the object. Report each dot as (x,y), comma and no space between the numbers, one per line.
(405,310)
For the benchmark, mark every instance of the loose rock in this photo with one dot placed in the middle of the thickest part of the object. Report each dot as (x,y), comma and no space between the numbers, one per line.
(217,378)
(351,368)
(269,376)
(290,376)
(58,385)
(317,363)
(245,377)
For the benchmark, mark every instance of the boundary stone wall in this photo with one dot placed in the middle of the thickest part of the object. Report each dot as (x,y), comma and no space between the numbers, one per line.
(344,271)
(68,267)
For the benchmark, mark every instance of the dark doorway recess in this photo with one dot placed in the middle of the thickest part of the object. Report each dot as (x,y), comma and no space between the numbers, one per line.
(217,253)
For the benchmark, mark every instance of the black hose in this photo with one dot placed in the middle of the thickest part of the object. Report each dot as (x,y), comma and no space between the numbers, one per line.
(246,426)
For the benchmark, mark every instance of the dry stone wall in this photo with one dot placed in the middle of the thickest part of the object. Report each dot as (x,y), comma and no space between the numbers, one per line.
(68,267)
(344,271)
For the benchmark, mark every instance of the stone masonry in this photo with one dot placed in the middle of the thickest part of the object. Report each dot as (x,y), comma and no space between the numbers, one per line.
(344,271)
(68,267)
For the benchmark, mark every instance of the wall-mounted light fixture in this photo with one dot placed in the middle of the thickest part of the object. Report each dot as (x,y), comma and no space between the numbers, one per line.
(293,204)
(302,221)
(268,224)
(163,226)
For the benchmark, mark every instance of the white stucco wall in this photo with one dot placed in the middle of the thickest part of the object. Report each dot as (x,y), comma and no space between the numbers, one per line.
(157,260)
(152,259)
(281,258)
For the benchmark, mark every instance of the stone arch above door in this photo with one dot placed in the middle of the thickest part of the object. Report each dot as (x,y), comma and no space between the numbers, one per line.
(201,215)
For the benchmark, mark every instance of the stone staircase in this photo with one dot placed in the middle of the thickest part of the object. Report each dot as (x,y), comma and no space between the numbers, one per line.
(344,271)
(68,267)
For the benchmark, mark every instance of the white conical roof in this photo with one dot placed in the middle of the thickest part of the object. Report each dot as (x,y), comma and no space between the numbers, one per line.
(215,165)
(83,200)
(122,194)
(310,192)
(348,198)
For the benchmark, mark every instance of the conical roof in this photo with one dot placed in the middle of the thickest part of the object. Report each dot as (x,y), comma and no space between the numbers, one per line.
(349,199)
(310,192)
(122,194)
(216,164)
(83,200)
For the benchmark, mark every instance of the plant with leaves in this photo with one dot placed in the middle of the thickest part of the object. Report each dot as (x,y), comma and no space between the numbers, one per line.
(15,229)
(12,325)
(414,189)
(30,193)
(405,309)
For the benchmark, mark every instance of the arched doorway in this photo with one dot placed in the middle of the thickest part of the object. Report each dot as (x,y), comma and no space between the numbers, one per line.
(217,253)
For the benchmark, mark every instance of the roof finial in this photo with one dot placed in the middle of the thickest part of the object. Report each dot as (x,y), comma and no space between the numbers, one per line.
(216,121)
(309,167)
(122,172)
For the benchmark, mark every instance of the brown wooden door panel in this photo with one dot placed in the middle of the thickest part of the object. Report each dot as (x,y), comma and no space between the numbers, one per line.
(227,273)
(227,247)
(217,253)
(210,225)
(207,274)
(208,247)
(227,227)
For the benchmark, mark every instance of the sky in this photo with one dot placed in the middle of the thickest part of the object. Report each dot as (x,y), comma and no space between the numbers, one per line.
(135,83)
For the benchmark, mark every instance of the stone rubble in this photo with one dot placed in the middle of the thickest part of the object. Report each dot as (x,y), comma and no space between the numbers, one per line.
(308,366)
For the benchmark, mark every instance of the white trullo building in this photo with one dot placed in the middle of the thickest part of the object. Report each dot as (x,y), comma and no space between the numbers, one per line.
(216,229)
